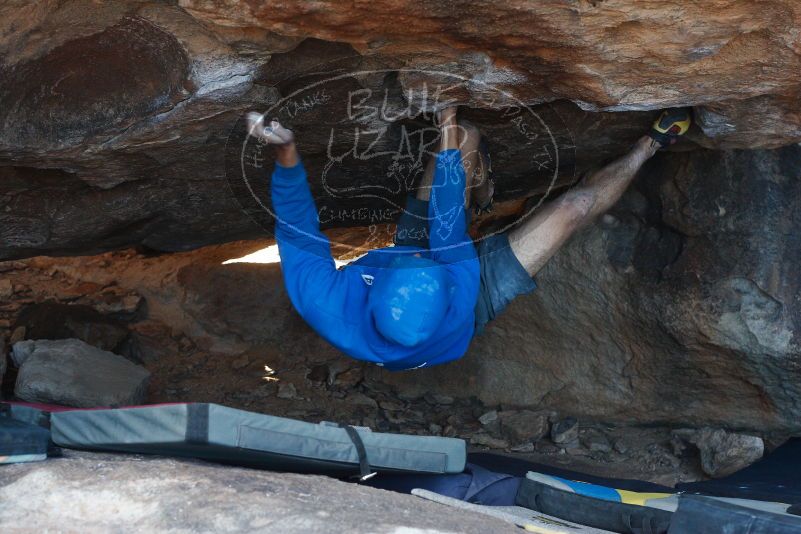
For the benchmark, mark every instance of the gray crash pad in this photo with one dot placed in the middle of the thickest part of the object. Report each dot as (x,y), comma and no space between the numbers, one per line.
(223,434)
(22,442)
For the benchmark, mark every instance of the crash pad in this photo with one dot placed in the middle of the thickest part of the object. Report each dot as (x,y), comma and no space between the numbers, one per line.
(219,433)
(22,442)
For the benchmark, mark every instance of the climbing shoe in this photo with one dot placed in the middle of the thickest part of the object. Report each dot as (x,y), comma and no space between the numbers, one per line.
(670,125)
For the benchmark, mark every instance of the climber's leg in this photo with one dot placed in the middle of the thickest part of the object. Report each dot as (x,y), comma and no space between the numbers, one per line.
(509,261)
(537,239)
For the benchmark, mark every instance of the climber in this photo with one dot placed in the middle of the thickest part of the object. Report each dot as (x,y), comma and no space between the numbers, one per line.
(400,307)
(503,269)
(509,261)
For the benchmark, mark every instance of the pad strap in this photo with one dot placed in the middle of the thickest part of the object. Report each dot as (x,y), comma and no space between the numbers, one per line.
(365,472)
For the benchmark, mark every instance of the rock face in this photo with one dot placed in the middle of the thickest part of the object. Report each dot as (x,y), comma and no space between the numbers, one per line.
(121,125)
(680,307)
(620,55)
(71,373)
(122,117)
(108,493)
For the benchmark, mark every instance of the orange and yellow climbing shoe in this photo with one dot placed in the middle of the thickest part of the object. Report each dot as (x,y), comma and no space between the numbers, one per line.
(671,124)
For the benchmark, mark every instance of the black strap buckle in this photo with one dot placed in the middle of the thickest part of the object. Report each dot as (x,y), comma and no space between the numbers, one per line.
(365,473)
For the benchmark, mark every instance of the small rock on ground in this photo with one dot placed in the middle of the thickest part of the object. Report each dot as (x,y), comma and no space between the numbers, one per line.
(241,362)
(349,379)
(488,418)
(438,398)
(596,442)
(524,447)
(722,452)
(6,288)
(565,431)
(521,426)
(485,440)
(360,399)
(621,446)
(286,390)
(318,374)
(70,372)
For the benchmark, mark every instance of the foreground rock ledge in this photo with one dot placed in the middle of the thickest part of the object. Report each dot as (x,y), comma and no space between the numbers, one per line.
(85,492)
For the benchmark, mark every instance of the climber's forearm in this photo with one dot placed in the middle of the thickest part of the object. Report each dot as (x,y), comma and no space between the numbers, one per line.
(297,226)
(287,155)
(449,129)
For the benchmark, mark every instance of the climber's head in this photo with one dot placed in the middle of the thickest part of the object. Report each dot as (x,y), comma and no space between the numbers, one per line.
(410,299)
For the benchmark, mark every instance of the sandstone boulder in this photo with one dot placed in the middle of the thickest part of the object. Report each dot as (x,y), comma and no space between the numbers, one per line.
(124,117)
(70,372)
(740,58)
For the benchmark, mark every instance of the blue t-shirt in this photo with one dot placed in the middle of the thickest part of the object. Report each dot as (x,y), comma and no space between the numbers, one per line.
(334,302)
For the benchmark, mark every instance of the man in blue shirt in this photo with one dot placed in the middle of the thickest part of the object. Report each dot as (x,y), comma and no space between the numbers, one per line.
(420,302)
(400,307)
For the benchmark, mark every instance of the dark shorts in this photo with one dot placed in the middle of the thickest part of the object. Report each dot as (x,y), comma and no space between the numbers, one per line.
(502,276)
